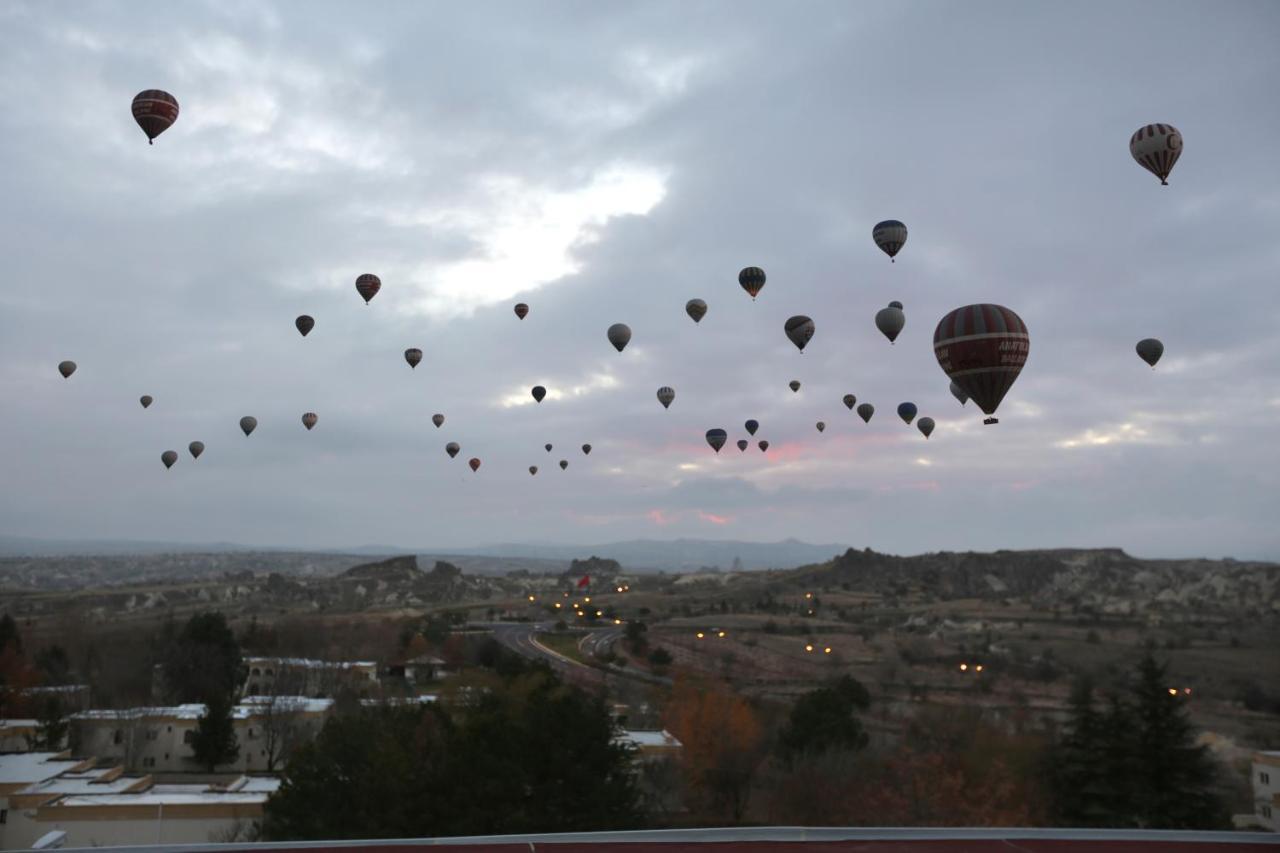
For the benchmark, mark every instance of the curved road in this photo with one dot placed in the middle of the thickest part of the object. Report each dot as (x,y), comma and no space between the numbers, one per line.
(520,637)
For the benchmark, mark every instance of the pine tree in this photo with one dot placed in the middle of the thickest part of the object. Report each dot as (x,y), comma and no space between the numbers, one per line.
(214,741)
(826,719)
(1076,770)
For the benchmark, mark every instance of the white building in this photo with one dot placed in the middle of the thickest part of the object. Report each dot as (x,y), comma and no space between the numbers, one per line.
(16,734)
(1266,789)
(651,745)
(266,676)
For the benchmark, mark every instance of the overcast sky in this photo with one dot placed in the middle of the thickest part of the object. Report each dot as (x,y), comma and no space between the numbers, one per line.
(606,162)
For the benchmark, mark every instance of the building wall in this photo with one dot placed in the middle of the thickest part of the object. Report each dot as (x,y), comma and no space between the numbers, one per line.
(1266,789)
(96,827)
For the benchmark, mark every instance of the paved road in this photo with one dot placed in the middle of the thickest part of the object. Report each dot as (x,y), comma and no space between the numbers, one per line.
(520,638)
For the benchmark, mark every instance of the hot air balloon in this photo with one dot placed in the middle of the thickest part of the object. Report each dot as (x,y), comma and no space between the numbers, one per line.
(368,285)
(145,400)
(890,235)
(752,280)
(849,401)
(533,469)
(413,355)
(794,384)
(66,368)
(438,420)
(743,444)
(1156,147)
(522,310)
(716,438)
(799,330)
(696,309)
(474,463)
(586,450)
(865,411)
(666,394)
(619,335)
(752,425)
(982,348)
(548,447)
(764,445)
(452,449)
(890,322)
(1150,350)
(896,304)
(958,393)
(538,393)
(248,424)
(305,323)
(309,420)
(155,111)
(821,426)
(907,411)
(925,425)
(196,448)
(564,463)
(169,457)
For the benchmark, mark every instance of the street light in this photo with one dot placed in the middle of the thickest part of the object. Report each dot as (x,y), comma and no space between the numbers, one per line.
(827,650)
(808,647)
(978,668)
(963,667)
(700,635)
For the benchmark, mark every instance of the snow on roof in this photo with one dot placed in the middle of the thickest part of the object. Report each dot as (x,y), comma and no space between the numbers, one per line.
(309,663)
(30,767)
(189,711)
(424,699)
(155,798)
(88,782)
(648,738)
(18,724)
(303,704)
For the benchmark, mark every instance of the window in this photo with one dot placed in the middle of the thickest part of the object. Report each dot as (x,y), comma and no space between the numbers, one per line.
(4,815)
(188,736)
(170,728)
(251,735)
(1265,778)
(118,737)
(257,671)
(1266,811)
(166,756)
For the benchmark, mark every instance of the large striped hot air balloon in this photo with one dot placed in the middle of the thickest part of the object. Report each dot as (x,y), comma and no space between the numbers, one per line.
(1157,147)
(890,235)
(368,285)
(155,111)
(696,309)
(665,395)
(799,330)
(982,348)
(752,280)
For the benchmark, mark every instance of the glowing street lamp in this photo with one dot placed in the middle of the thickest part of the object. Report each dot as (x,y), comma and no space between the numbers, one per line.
(808,647)
(978,668)
(964,667)
(827,650)
(700,635)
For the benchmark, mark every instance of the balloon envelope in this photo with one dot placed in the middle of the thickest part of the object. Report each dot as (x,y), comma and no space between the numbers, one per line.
(169,457)
(196,448)
(850,401)
(309,420)
(925,425)
(145,400)
(538,393)
(982,348)
(752,425)
(368,285)
(1156,147)
(794,384)
(66,368)
(743,444)
(522,310)
(890,322)
(821,426)
(764,445)
(696,309)
(958,393)
(248,424)
(474,463)
(752,280)
(155,111)
(533,469)
(799,330)
(586,450)
(907,411)
(547,447)
(666,395)
(452,449)
(865,411)
(305,323)
(438,420)
(564,463)
(890,235)
(1150,350)
(619,335)
(413,355)
(716,438)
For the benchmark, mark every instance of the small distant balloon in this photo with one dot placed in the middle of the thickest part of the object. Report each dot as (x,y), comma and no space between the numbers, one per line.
(696,309)
(865,411)
(821,426)
(925,425)
(145,400)
(474,463)
(907,411)
(169,457)
(666,394)
(305,323)
(586,450)
(799,330)
(533,469)
(413,355)
(619,335)
(309,419)
(452,449)
(849,401)
(794,385)
(547,447)
(368,285)
(958,393)
(248,424)
(564,463)
(896,304)
(538,393)
(522,310)
(890,235)
(66,368)
(196,448)
(743,444)
(1150,350)
(1156,147)
(764,445)
(155,111)
(752,280)
(438,420)
(890,321)
(716,438)
(751,426)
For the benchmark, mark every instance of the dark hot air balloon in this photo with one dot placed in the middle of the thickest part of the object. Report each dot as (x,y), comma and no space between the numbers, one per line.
(452,449)
(925,425)
(619,335)
(305,323)
(1156,147)
(794,385)
(66,368)
(752,280)
(696,309)
(474,463)
(716,438)
(155,111)
(764,445)
(849,401)
(547,447)
(958,393)
(169,457)
(821,426)
(145,400)
(196,448)
(752,425)
(896,304)
(665,395)
(890,321)
(538,393)
(1150,350)
(522,310)
(982,348)
(368,285)
(799,330)
(890,235)
(564,463)
(248,424)
(586,450)
(309,420)
(743,444)
(438,420)
(865,411)
(907,411)
(533,469)
(413,355)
